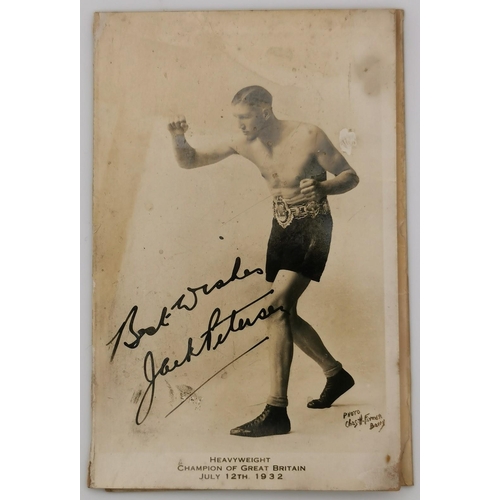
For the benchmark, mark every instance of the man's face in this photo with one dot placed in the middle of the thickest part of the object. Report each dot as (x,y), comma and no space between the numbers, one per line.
(251,119)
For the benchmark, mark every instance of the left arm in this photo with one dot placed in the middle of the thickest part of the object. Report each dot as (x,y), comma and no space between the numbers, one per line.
(332,161)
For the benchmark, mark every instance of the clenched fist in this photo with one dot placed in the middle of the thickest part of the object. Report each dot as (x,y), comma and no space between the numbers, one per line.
(179,126)
(312,190)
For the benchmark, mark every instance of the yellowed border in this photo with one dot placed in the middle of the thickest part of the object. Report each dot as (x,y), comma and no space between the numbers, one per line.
(406,463)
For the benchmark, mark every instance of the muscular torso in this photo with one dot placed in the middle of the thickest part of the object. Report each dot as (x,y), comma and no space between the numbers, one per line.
(284,164)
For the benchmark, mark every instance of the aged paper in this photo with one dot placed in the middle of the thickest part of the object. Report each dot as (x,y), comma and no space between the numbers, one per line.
(185,328)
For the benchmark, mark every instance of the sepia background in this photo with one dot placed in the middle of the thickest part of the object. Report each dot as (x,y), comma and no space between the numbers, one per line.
(159,229)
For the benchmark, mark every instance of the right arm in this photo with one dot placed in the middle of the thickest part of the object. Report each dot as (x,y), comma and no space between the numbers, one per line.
(186,155)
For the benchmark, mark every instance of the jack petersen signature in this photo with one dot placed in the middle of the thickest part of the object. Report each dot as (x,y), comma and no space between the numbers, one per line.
(208,340)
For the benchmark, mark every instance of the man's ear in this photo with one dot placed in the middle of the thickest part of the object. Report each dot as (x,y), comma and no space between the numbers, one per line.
(266,113)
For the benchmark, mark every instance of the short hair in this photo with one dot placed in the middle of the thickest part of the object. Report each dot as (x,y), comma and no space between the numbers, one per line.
(253,96)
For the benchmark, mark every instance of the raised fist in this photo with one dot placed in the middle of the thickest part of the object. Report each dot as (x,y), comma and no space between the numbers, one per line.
(178,126)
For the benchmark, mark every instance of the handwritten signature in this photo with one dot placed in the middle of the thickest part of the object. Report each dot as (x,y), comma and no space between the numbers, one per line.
(208,341)
(235,325)
(180,303)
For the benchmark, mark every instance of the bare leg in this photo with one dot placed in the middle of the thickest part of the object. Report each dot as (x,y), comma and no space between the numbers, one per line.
(308,340)
(287,287)
(338,381)
(285,327)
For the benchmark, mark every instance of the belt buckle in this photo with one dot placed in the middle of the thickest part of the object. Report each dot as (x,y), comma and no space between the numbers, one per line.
(282,212)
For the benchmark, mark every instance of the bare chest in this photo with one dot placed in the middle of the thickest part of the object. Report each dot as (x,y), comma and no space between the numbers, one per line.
(283,166)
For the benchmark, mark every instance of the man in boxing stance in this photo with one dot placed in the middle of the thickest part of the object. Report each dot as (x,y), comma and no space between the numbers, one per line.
(293,158)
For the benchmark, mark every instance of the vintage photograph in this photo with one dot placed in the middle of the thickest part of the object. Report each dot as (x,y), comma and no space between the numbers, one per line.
(249,265)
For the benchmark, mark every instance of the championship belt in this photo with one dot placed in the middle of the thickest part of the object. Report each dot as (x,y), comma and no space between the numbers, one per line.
(284,213)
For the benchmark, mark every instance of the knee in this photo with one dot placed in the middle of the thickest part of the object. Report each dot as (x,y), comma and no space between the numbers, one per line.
(278,316)
(280,309)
